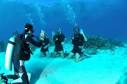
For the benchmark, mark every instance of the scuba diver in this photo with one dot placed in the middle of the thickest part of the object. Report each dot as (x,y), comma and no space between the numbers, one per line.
(22,52)
(58,39)
(44,43)
(78,40)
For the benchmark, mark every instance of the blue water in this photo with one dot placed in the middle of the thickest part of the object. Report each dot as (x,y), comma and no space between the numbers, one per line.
(106,18)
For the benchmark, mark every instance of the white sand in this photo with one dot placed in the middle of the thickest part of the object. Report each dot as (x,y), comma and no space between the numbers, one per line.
(104,68)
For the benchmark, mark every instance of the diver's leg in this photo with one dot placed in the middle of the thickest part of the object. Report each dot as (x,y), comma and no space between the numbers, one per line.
(55,52)
(62,51)
(24,76)
(71,54)
(78,53)
(23,73)
(43,53)
(62,54)
(77,56)
(16,66)
(47,54)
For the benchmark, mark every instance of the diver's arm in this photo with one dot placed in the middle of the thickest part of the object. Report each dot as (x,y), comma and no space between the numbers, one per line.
(46,46)
(72,40)
(47,43)
(64,41)
(35,41)
(85,38)
(81,32)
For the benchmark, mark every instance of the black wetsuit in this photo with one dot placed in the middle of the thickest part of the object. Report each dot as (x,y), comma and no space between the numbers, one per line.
(44,43)
(24,54)
(77,41)
(58,39)
(25,49)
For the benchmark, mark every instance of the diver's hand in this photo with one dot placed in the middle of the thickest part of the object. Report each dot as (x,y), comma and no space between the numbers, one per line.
(41,38)
(81,47)
(62,43)
(56,39)
(46,46)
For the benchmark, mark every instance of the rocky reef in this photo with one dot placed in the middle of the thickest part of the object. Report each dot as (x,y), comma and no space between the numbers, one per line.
(96,42)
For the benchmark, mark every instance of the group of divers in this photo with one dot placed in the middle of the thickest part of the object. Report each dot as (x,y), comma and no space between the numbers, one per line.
(43,42)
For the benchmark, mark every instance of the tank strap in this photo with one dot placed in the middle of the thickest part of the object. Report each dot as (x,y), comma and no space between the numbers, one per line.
(13,43)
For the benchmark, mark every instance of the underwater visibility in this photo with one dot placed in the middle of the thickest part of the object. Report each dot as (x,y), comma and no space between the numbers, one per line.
(63,42)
